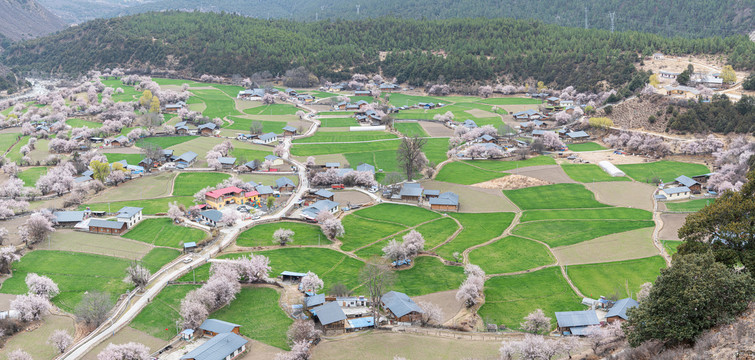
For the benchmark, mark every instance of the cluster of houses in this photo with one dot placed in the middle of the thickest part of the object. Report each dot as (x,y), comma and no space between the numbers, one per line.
(126,218)
(343,86)
(224,342)
(256,94)
(683,187)
(206,129)
(219,199)
(414,192)
(601,312)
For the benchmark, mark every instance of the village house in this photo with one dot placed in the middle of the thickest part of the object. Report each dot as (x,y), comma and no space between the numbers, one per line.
(389,87)
(411,192)
(130,215)
(341,105)
(577,136)
(227,346)
(182,128)
(331,317)
(658,56)
(553,101)
(107,227)
(285,184)
(674,193)
(362,93)
(173,108)
(431,194)
(538,133)
(251,94)
(314,300)
(311,212)
(119,141)
(227,162)
(684,91)
(618,311)
(265,191)
(246,137)
(211,217)
(207,129)
(366,167)
(289,130)
(668,74)
(268,138)
(576,322)
(213,327)
(291,92)
(352,107)
(486,139)
(219,198)
(186,159)
(148,164)
(446,201)
(469,124)
(274,160)
(400,307)
(694,186)
(528,115)
(252,165)
(332,165)
(306,98)
(427,105)
(292,276)
(69,218)
(324,194)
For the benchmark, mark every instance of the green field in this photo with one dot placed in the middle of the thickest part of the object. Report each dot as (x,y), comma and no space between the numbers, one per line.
(187,184)
(330,265)
(687,206)
(31,175)
(159,317)
(511,101)
(359,232)
(230,90)
(402,214)
(511,254)
(176,82)
(434,232)
(664,170)
(607,279)
(557,233)
(158,257)
(162,232)
(129,93)
(586,173)
(305,149)
(269,323)
(671,246)
(244,124)
(382,160)
(338,122)
(7,140)
(245,155)
(77,123)
(459,172)
(408,100)
(505,165)
(345,136)
(478,228)
(165,142)
(587,146)
(618,213)
(508,299)
(410,129)
(151,206)
(436,149)
(218,104)
(272,109)
(262,235)
(75,274)
(428,275)
(131,159)
(558,196)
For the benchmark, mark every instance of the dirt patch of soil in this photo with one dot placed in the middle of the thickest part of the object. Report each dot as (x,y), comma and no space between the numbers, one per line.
(5,300)
(671,225)
(624,193)
(473,199)
(512,182)
(260,351)
(633,244)
(517,108)
(322,159)
(13,225)
(446,300)
(635,113)
(480,113)
(351,197)
(548,173)
(435,129)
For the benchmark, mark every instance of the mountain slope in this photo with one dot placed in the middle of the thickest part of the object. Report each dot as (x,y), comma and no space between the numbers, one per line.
(418,52)
(25,19)
(688,18)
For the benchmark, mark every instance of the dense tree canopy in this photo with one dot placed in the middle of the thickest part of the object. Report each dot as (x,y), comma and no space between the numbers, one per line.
(719,115)
(416,51)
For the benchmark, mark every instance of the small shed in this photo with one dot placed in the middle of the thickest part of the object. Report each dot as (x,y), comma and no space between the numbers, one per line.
(576,322)
(330,316)
(187,334)
(190,246)
(289,130)
(401,307)
(212,327)
(324,194)
(618,311)
(292,276)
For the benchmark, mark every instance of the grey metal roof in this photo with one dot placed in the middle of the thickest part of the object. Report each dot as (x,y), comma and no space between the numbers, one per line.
(210,126)
(289,128)
(470,123)
(577,134)
(284,181)
(399,303)
(487,137)
(217,348)
(81,179)
(686,181)
(213,215)
(315,300)
(577,318)
(332,164)
(68,216)
(227,160)
(538,132)
(252,165)
(271,157)
(676,190)
(431,192)
(446,198)
(121,139)
(264,189)
(366,167)
(128,211)
(181,123)
(411,189)
(188,156)
(324,193)
(321,205)
(620,308)
(217,326)
(329,313)
(106,224)
(268,136)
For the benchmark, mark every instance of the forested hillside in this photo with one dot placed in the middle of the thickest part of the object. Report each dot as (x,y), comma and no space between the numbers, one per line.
(689,18)
(418,51)
(719,115)
(25,19)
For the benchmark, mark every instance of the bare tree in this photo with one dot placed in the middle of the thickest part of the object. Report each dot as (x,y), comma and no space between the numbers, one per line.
(93,308)
(255,128)
(410,156)
(138,275)
(152,151)
(377,277)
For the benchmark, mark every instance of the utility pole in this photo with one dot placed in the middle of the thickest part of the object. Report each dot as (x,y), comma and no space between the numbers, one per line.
(586,17)
(358,8)
(612,15)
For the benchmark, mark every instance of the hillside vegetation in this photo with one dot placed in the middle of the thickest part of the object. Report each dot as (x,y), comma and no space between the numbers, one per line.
(419,51)
(24,19)
(678,18)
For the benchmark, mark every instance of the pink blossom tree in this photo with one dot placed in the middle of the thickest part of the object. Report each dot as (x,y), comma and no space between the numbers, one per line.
(116,177)
(31,307)
(41,286)
(431,314)
(253,268)
(19,354)
(279,149)
(485,91)
(138,275)
(332,228)
(299,351)
(8,256)
(394,251)
(230,218)
(311,282)
(127,351)
(199,196)
(11,169)
(551,140)
(60,340)
(471,289)
(310,161)
(414,243)
(268,99)
(193,312)
(283,236)
(214,164)
(174,211)
(536,322)
(302,330)
(37,227)
(562,117)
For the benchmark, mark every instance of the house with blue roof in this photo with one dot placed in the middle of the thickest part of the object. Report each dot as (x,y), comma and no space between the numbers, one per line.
(576,322)
(211,217)
(400,307)
(315,209)
(268,138)
(214,327)
(330,316)
(618,311)
(446,201)
(285,184)
(470,124)
(227,346)
(692,184)
(227,162)
(289,130)
(324,194)
(411,192)
(366,167)
(186,159)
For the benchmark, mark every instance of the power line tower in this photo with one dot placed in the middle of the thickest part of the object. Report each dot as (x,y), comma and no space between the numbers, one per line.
(358,9)
(586,17)
(612,15)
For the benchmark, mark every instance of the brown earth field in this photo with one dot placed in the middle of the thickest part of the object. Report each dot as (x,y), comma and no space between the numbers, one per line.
(351,197)
(623,193)
(384,346)
(435,129)
(671,225)
(260,351)
(5,300)
(446,300)
(550,173)
(146,187)
(35,342)
(474,199)
(108,245)
(633,244)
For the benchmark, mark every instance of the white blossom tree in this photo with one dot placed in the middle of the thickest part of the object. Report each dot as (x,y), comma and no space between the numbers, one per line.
(41,286)
(127,351)
(536,322)
(311,282)
(174,211)
(31,307)
(302,330)
(644,291)
(138,275)
(37,227)
(19,354)
(283,236)
(230,218)
(431,314)
(60,340)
